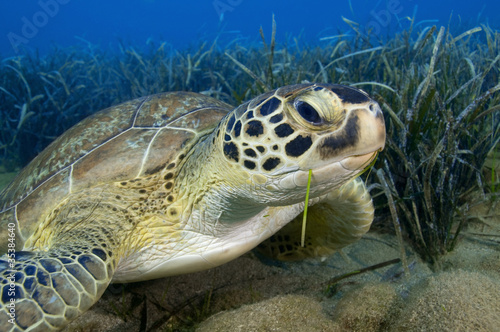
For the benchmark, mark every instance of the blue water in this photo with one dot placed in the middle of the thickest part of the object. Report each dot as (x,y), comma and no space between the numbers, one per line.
(41,25)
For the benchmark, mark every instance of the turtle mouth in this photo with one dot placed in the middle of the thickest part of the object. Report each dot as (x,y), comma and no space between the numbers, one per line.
(340,171)
(356,162)
(331,175)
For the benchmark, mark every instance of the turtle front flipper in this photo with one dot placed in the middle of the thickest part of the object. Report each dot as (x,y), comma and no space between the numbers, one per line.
(71,260)
(341,218)
(44,291)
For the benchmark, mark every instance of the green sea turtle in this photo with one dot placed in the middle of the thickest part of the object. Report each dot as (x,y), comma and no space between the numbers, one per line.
(175,183)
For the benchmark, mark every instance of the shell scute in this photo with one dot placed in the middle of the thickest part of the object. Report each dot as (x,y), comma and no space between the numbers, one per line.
(128,151)
(158,111)
(133,139)
(75,143)
(42,200)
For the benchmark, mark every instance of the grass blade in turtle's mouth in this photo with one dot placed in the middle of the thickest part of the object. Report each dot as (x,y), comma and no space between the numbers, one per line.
(372,160)
(370,165)
(306,204)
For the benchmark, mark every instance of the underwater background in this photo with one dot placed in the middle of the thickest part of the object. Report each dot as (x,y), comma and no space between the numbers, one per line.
(45,24)
(434,68)
(52,34)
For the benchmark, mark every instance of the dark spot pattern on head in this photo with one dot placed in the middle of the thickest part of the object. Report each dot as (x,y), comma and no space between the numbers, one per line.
(270,106)
(249,164)
(283,130)
(230,124)
(231,151)
(250,153)
(237,129)
(271,163)
(260,148)
(227,138)
(335,143)
(297,146)
(276,118)
(348,94)
(288,90)
(259,100)
(250,115)
(254,128)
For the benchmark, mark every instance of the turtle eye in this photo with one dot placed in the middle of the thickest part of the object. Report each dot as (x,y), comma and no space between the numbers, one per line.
(307,112)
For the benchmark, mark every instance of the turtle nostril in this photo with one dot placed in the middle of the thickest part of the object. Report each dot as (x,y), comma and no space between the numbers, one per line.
(374,108)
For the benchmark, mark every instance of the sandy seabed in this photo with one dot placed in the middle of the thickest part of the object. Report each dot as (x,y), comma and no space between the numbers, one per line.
(252,294)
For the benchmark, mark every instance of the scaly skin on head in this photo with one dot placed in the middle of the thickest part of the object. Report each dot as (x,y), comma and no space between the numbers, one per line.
(261,153)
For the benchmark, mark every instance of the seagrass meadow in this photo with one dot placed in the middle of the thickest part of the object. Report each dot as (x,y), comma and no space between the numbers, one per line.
(440,92)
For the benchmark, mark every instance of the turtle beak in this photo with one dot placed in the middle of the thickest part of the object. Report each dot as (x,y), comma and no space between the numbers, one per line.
(362,133)
(366,161)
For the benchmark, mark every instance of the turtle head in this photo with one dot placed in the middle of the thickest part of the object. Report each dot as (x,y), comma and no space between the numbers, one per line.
(334,130)
(247,178)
